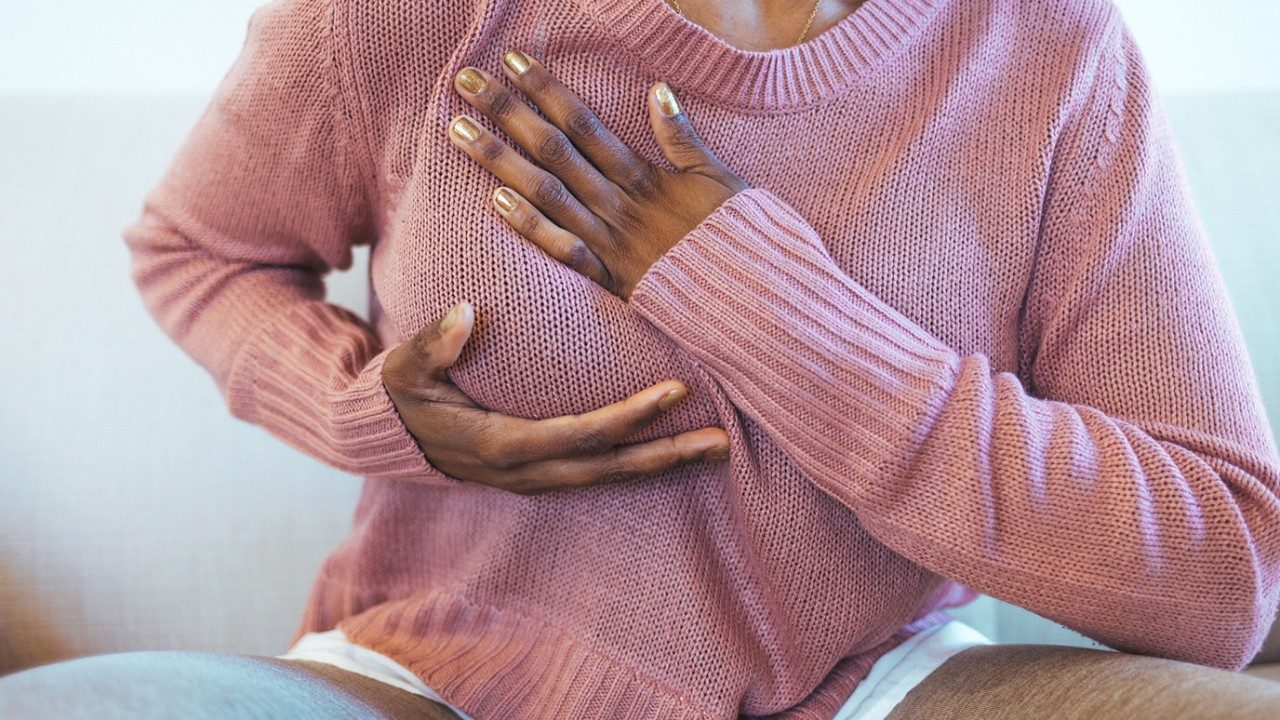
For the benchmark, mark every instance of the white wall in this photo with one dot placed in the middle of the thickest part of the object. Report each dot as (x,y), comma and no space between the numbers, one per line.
(137,46)
(185,46)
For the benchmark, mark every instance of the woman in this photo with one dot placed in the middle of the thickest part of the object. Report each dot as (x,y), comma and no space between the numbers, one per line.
(922,309)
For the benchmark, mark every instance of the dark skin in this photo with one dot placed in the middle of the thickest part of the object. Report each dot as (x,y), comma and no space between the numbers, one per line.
(529,457)
(593,204)
(765,24)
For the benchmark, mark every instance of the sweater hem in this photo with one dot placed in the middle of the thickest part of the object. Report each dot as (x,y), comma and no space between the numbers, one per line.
(491,662)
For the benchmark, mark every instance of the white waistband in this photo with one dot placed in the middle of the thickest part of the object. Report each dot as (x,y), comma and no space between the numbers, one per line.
(890,679)
(904,667)
(333,647)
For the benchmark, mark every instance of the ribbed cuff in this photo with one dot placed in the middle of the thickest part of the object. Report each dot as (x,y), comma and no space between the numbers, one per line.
(312,377)
(847,385)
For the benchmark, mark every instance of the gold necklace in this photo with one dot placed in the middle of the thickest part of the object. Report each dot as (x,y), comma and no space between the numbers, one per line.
(803,32)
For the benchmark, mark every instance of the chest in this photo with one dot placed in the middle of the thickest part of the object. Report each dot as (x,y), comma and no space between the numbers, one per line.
(933,210)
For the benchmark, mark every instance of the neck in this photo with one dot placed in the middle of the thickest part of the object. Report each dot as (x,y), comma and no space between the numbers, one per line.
(765,24)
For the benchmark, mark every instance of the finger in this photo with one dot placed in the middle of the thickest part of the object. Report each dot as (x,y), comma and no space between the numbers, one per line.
(615,160)
(418,368)
(514,441)
(680,143)
(555,240)
(544,142)
(542,188)
(440,343)
(624,463)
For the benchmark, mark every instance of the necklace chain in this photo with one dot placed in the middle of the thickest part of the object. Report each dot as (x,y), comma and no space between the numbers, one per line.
(803,32)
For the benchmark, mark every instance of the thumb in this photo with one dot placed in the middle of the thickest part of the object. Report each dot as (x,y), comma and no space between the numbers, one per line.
(440,343)
(677,139)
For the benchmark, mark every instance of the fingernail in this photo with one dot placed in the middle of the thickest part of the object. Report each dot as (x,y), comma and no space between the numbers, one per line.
(465,129)
(450,318)
(718,453)
(453,316)
(671,398)
(517,61)
(666,100)
(471,80)
(504,200)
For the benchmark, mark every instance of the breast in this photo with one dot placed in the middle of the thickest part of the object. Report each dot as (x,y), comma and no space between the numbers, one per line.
(547,341)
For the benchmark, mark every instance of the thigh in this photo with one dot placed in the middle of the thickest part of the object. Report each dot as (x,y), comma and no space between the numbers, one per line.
(1043,681)
(205,686)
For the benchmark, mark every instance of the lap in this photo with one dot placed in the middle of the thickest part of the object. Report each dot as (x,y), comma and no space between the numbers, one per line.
(990,682)
(205,685)
(1043,681)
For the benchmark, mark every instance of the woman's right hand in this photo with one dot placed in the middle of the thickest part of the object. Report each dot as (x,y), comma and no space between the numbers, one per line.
(524,456)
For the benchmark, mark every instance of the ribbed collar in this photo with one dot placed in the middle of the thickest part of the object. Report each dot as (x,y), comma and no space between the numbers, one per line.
(693,60)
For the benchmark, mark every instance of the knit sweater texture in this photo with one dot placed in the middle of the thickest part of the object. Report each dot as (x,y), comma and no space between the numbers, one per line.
(966,334)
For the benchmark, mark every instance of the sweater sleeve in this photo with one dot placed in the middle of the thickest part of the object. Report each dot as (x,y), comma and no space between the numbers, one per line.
(263,199)
(1128,491)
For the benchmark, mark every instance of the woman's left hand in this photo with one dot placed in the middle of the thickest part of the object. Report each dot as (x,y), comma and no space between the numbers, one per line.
(590,202)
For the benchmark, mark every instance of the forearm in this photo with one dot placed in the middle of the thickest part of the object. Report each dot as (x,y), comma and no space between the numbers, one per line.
(1153,536)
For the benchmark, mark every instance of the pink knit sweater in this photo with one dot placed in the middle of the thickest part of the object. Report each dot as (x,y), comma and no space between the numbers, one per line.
(967,332)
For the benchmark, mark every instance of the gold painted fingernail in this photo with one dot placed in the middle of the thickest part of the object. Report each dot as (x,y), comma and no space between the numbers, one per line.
(517,61)
(671,398)
(666,100)
(719,453)
(504,199)
(471,80)
(465,129)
